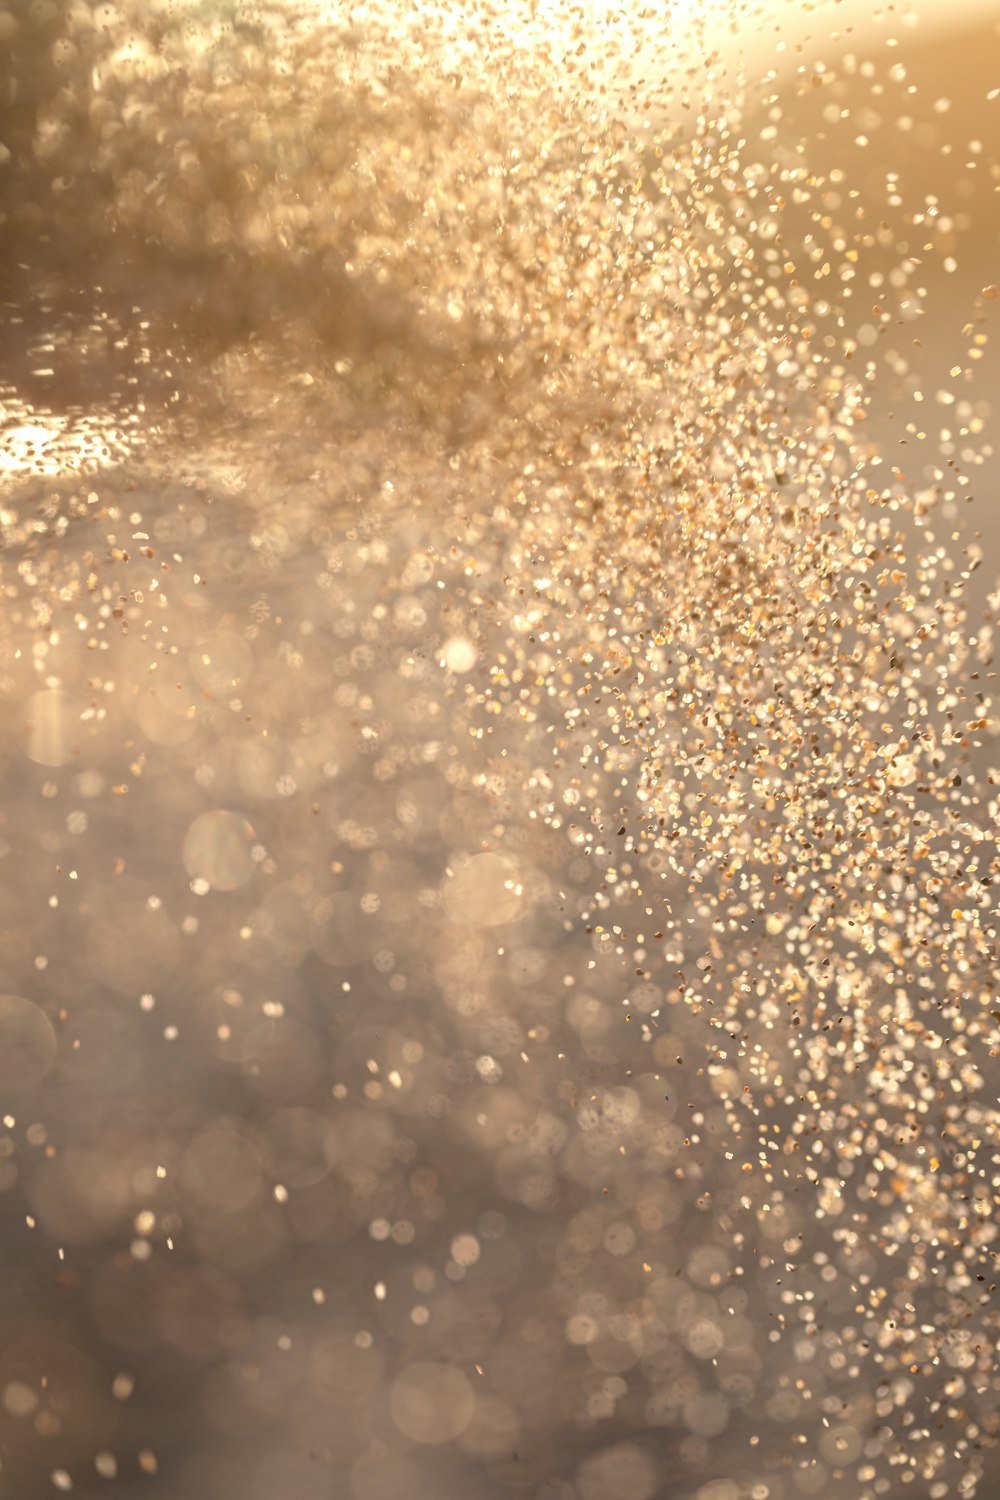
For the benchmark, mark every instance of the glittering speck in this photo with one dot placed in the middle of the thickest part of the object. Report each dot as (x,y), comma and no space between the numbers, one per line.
(498,608)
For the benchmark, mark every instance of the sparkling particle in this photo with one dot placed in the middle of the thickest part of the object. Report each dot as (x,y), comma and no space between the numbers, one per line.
(525,471)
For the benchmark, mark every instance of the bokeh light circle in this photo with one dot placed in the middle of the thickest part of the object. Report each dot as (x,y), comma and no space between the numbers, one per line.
(218,850)
(431,1402)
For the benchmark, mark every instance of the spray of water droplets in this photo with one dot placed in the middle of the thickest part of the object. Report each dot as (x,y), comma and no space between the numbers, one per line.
(499,945)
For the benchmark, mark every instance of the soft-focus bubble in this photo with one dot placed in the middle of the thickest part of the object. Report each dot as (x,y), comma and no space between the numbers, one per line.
(165,715)
(459,654)
(360,1139)
(617,1346)
(387,1476)
(297,1137)
(491,1115)
(286,918)
(492,1224)
(135,947)
(342,1376)
(811,1478)
(196,1311)
(19,1399)
(719,1489)
(243,1243)
(256,769)
(493,1431)
(581,1329)
(81,1194)
(222,1168)
(27,1042)
(737,1386)
(218,850)
(54,728)
(289,1472)
(431,1402)
(619,1239)
(419,569)
(707,1415)
(72,1402)
(281,1059)
(483,891)
(221,662)
(465,1250)
(227,1016)
(342,934)
(624,1472)
(704,1338)
(708,1266)
(840,1445)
